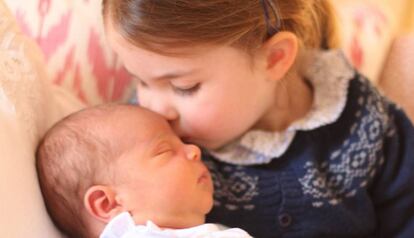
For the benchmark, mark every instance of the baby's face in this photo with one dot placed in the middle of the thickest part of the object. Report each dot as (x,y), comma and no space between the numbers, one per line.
(160,178)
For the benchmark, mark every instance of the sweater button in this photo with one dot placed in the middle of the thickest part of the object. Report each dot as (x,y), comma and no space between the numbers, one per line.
(285,220)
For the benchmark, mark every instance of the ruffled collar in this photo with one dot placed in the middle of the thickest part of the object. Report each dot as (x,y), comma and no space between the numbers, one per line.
(329,73)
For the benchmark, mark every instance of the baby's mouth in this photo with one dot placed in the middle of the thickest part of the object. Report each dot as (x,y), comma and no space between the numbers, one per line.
(205,176)
(185,139)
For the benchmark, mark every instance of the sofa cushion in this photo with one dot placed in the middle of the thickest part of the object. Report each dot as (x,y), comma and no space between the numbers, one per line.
(367,32)
(71,35)
(29,105)
(397,79)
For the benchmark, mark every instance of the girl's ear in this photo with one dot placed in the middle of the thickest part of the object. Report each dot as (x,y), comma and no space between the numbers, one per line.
(100,202)
(280,51)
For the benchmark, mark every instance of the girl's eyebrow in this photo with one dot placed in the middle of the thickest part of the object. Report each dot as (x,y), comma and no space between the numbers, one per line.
(170,76)
(167,76)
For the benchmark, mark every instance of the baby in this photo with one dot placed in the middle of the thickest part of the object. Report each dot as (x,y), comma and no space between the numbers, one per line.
(120,171)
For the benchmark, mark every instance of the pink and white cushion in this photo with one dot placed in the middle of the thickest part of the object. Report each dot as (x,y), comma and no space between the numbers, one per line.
(368,29)
(71,35)
(29,105)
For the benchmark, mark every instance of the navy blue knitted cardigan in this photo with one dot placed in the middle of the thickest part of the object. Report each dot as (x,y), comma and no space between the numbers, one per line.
(351,178)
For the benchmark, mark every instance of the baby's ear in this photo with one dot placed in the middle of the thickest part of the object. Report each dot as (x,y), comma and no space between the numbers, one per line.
(100,202)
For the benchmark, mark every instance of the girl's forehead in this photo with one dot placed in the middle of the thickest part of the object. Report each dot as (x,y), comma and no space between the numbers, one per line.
(139,61)
(119,42)
(146,64)
(191,53)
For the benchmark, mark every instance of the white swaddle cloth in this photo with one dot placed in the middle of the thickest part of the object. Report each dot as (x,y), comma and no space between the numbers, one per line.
(123,226)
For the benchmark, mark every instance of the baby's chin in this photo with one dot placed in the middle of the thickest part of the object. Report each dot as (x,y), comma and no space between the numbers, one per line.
(210,207)
(183,223)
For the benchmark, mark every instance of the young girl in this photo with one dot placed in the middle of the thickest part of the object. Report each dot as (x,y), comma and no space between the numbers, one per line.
(299,144)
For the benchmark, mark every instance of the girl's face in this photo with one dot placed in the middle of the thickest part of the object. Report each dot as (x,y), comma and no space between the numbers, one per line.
(210,97)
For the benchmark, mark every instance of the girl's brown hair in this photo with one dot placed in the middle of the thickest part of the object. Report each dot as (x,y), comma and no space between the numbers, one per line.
(159,25)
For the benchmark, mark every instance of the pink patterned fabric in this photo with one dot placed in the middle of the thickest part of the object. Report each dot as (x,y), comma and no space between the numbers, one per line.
(70,33)
(368,30)
(366,16)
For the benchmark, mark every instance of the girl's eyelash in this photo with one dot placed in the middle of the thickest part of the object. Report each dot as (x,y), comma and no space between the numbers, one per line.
(186,91)
(141,83)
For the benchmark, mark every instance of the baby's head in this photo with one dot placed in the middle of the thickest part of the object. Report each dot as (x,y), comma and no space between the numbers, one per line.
(102,161)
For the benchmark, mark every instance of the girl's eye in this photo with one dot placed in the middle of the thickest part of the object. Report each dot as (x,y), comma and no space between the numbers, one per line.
(186,91)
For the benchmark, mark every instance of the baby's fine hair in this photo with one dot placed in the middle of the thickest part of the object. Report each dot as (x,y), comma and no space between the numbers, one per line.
(74,155)
(244,24)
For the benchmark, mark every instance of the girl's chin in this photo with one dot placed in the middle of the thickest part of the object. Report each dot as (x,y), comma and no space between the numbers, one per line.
(209,144)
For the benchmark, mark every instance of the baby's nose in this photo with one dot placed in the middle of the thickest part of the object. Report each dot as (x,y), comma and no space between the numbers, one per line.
(193,152)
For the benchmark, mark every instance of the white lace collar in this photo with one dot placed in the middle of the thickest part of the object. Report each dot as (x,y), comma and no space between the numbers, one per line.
(329,73)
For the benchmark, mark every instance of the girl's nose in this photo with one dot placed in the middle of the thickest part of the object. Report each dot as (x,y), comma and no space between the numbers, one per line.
(160,106)
(169,113)
(193,152)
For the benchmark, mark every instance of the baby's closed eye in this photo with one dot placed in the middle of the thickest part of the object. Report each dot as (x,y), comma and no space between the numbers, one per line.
(164,149)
